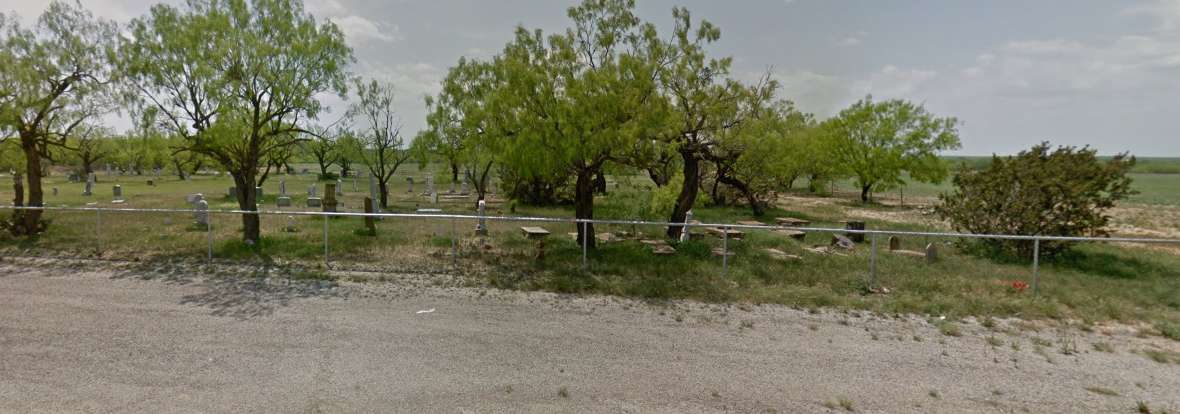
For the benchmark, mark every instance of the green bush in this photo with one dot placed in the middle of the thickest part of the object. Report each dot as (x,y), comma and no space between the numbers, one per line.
(1062,192)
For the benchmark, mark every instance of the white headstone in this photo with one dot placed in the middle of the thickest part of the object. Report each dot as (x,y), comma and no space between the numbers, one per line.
(89,185)
(481,226)
(282,188)
(201,215)
(684,234)
(410,181)
(339,188)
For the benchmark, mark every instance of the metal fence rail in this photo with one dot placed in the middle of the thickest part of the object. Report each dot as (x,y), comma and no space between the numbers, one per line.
(872,234)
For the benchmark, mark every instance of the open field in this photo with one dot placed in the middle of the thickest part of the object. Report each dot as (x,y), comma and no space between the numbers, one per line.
(1099,283)
(125,337)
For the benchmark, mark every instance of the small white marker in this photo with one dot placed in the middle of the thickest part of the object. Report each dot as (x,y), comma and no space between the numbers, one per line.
(431,310)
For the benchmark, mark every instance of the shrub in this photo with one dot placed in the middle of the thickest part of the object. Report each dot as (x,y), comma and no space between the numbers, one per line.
(1062,192)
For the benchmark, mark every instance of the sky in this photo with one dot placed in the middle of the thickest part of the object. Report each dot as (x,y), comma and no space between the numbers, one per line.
(1015,73)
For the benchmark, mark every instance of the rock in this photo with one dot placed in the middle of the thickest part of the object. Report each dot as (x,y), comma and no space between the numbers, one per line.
(717,251)
(794,234)
(781,255)
(663,250)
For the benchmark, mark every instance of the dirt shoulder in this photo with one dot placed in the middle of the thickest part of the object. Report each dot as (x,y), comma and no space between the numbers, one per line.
(88,336)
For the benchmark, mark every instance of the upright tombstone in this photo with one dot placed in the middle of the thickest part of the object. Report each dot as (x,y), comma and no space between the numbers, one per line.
(283,201)
(354,188)
(329,198)
(452,189)
(410,182)
(290,227)
(894,243)
(201,213)
(117,191)
(89,190)
(931,253)
(463,190)
(339,188)
(373,193)
(855,225)
(434,198)
(370,222)
(257,193)
(429,184)
(311,190)
(193,198)
(481,226)
(684,232)
(55,191)
(282,188)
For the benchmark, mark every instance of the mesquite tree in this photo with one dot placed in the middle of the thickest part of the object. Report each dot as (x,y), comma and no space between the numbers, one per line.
(382,148)
(54,76)
(236,79)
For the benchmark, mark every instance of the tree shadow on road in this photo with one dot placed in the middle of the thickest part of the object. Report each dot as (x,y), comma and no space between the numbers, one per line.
(238,291)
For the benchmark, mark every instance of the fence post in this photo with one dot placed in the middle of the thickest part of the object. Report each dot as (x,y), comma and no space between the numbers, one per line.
(98,231)
(1036,265)
(725,250)
(873,261)
(585,247)
(325,240)
(454,252)
(209,234)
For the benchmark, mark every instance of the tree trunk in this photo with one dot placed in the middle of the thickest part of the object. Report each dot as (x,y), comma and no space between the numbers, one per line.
(865,192)
(454,172)
(688,193)
(31,219)
(383,188)
(756,206)
(658,179)
(244,181)
(584,206)
(600,183)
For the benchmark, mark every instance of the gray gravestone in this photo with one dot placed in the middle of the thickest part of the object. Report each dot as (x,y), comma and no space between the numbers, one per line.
(894,243)
(117,191)
(410,181)
(290,227)
(282,188)
(339,188)
(89,185)
(434,198)
(429,184)
(354,188)
(201,213)
(463,190)
(314,202)
(931,253)
(373,192)
(481,226)
(684,232)
(257,193)
(311,191)
(55,191)
(283,201)
(192,198)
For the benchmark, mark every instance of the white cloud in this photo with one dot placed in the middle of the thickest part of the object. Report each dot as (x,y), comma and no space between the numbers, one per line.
(360,29)
(849,41)
(893,82)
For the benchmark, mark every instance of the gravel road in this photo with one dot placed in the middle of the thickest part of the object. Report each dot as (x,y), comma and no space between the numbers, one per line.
(102,337)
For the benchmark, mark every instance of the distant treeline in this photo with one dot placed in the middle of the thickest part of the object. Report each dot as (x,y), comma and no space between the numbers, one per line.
(1142,165)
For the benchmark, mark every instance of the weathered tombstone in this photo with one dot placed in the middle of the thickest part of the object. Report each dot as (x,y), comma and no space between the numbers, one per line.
(354,188)
(894,243)
(117,191)
(314,202)
(481,226)
(452,189)
(329,198)
(311,191)
(684,232)
(434,198)
(429,184)
(257,193)
(855,225)
(283,201)
(55,191)
(463,189)
(89,190)
(192,198)
(410,182)
(282,188)
(151,183)
(290,227)
(370,223)
(201,213)
(931,253)
(373,193)
(842,242)
(339,188)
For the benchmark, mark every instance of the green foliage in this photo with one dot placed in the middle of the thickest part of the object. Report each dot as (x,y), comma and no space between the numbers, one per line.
(1062,192)
(878,141)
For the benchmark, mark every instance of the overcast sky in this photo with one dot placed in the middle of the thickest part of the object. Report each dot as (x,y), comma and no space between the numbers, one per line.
(1080,72)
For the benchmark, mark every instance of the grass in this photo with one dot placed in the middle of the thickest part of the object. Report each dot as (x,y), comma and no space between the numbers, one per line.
(995,342)
(1103,347)
(1097,283)
(1103,391)
(1163,357)
(841,402)
(949,329)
